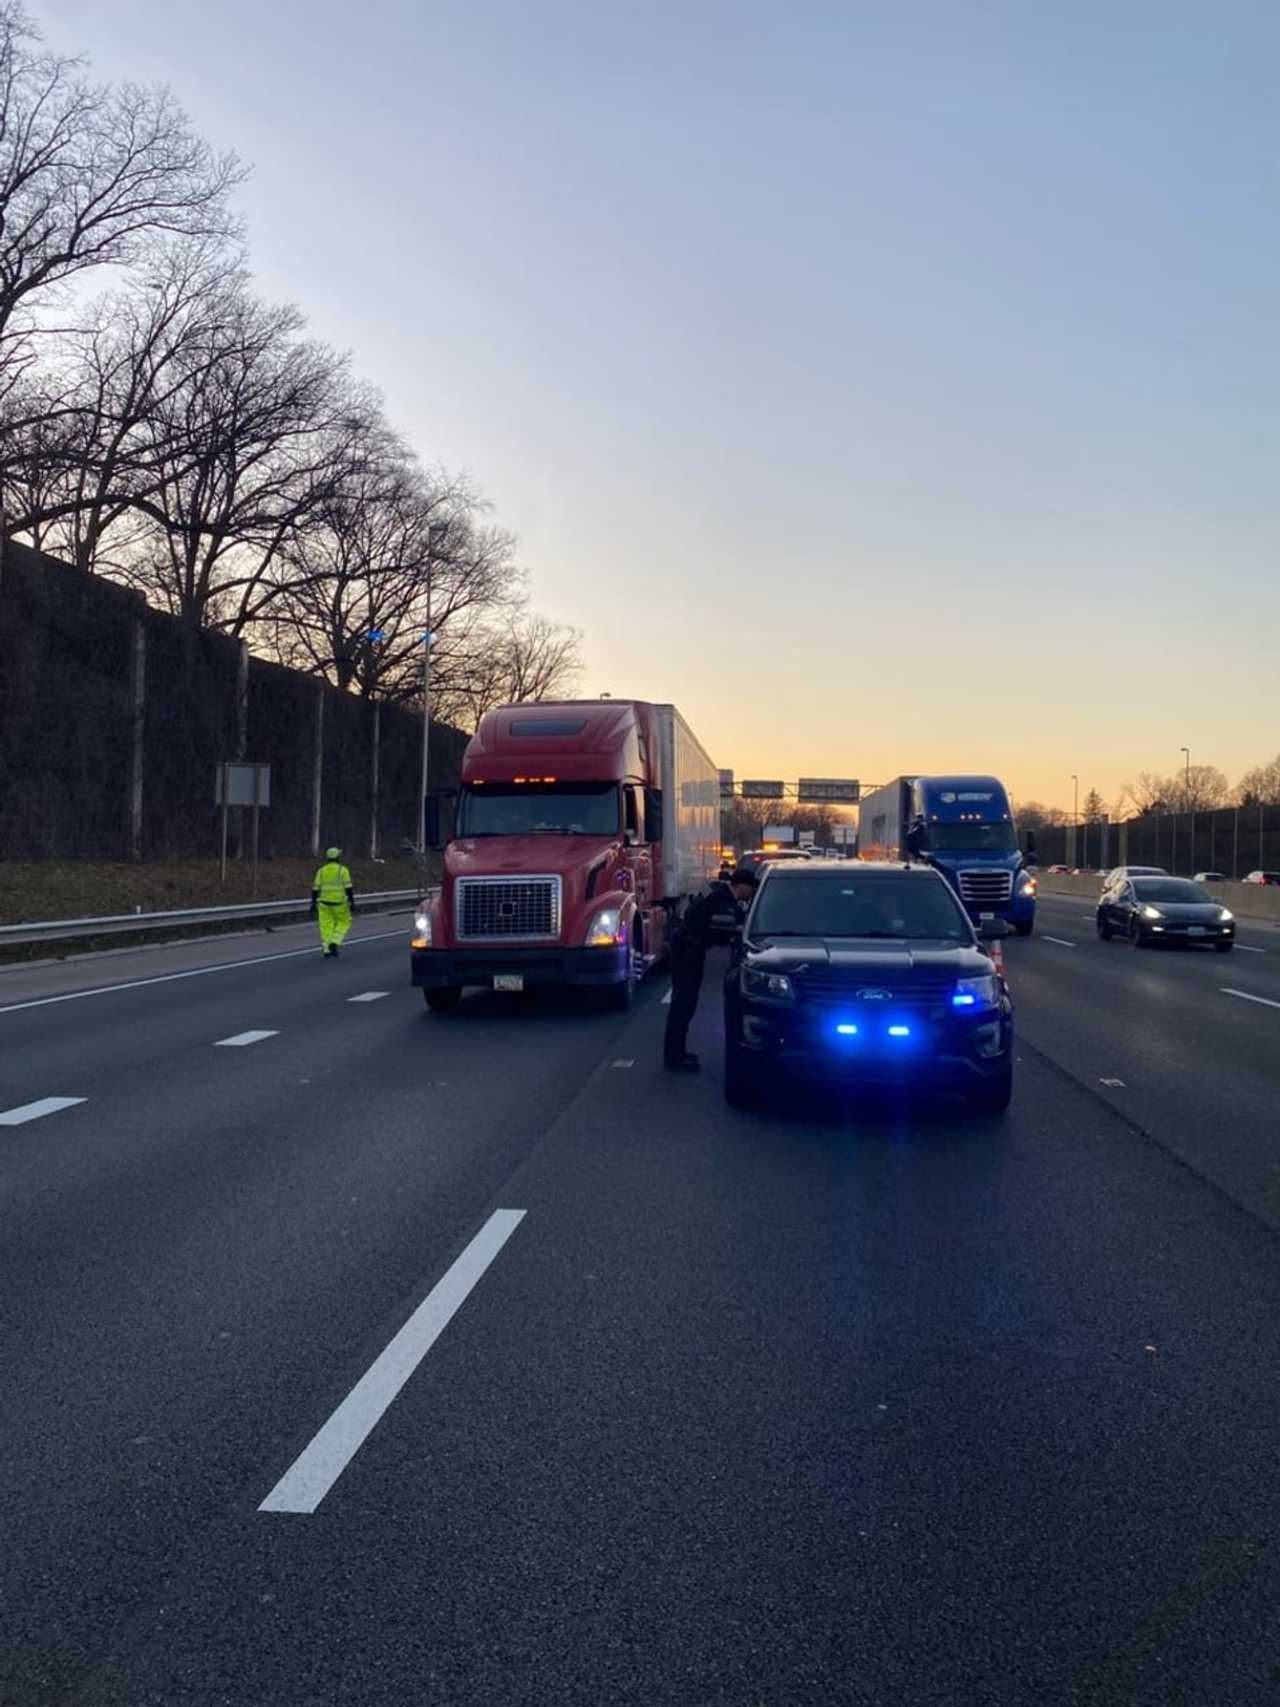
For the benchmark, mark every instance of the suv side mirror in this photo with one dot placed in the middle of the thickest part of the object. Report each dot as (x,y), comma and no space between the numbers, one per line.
(991,930)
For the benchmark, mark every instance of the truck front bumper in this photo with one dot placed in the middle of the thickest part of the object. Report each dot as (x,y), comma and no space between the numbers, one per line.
(456,968)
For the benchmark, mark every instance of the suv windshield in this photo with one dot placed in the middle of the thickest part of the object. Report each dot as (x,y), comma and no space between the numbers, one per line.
(994,838)
(1167,889)
(531,809)
(853,906)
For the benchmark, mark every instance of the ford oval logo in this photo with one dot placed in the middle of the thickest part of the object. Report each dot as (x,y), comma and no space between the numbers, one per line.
(875,996)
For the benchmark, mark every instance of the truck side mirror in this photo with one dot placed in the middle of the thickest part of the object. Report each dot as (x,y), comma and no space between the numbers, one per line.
(915,838)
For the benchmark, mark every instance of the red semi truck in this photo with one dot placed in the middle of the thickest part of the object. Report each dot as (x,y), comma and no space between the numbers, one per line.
(582,828)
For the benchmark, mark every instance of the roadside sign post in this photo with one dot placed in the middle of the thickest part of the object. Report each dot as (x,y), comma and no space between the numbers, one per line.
(239,784)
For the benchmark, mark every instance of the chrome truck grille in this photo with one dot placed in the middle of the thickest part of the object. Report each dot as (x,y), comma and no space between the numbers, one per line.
(985,888)
(515,909)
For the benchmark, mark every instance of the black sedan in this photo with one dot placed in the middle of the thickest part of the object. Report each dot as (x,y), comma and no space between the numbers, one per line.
(869,974)
(1153,910)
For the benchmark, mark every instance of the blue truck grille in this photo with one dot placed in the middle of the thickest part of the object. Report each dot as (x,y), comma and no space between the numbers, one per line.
(981,888)
(515,909)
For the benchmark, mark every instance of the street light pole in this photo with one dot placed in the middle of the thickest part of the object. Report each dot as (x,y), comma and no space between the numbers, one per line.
(436,533)
(1186,788)
(1075,817)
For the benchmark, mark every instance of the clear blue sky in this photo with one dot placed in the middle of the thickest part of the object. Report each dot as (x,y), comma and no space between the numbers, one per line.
(892,386)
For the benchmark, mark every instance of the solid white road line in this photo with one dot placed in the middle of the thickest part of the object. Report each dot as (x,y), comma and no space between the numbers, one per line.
(311,1475)
(198,972)
(370,996)
(34,1110)
(1061,941)
(242,1039)
(1262,1001)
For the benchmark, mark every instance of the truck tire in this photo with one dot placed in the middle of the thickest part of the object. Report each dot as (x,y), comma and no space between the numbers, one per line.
(443,1000)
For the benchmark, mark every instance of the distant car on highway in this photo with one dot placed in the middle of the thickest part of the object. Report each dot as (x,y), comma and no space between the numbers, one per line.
(1209,877)
(1122,873)
(869,973)
(1263,877)
(1152,910)
(1059,870)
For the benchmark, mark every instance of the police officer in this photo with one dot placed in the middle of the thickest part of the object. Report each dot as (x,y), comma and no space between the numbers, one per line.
(332,899)
(705,921)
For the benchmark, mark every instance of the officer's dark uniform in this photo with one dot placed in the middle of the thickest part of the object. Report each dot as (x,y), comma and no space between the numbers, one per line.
(707,920)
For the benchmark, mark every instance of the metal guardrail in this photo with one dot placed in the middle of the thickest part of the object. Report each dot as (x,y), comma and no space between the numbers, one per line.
(122,924)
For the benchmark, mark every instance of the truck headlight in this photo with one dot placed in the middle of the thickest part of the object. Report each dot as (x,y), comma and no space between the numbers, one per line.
(981,992)
(605,930)
(772,986)
(422,929)
(1027,886)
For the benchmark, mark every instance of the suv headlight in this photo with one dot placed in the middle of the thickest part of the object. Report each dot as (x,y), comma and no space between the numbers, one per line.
(771,986)
(422,929)
(605,930)
(1226,916)
(1151,913)
(981,992)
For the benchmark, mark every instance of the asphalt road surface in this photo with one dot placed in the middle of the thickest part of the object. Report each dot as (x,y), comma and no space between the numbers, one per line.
(352,1355)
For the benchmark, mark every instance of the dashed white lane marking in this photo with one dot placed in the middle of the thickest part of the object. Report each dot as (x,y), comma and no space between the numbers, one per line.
(1243,948)
(311,1475)
(1061,941)
(630,1063)
(1262,1001)
(243,1038)
(34,1110)
(370,996)
(196,972)
(1116,1084)
(666,1000)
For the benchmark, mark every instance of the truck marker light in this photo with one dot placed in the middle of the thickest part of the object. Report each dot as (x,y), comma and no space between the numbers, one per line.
(847,1030)
(899,1031)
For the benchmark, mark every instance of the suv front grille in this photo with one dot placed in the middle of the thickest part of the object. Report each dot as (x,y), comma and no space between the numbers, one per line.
(516,909)
(985,888)
(831,986)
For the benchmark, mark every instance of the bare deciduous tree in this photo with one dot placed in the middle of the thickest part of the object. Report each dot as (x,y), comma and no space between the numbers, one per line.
(90,175)
(517,658)
(1261,785)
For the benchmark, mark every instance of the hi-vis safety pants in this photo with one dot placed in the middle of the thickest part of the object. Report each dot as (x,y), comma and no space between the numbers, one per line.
(334,918)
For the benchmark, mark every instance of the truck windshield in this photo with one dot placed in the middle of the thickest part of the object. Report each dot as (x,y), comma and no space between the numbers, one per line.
(539,809)
(856,906)
(992,838)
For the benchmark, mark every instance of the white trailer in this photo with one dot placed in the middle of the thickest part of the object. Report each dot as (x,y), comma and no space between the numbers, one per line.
(690,808)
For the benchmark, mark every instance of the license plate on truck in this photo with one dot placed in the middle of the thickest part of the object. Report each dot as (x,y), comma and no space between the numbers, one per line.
(508,980)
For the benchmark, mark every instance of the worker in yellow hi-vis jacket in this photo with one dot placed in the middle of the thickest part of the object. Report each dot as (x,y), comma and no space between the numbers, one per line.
(332,900)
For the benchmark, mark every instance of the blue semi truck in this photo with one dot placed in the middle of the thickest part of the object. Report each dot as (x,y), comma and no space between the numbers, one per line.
(964,826)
